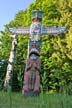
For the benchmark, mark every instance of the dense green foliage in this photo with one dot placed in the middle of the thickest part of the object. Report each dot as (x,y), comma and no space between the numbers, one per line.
(16,100)
(56,52)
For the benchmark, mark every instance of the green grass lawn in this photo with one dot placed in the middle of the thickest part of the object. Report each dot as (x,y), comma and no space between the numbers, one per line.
(16,100)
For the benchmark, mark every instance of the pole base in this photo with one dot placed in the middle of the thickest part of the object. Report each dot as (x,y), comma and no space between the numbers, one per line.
(31,93)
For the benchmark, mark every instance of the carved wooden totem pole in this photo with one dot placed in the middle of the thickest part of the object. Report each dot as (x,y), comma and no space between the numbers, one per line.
(33,65)
(31,83)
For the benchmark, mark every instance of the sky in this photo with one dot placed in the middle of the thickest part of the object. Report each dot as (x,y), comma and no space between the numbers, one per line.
(9,8)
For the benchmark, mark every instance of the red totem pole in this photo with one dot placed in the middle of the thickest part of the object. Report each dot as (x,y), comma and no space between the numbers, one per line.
(33,65)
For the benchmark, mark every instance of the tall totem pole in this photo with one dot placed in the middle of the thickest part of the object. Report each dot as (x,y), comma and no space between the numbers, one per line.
(31,83)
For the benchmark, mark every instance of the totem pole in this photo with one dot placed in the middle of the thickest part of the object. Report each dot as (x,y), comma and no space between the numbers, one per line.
(31,83)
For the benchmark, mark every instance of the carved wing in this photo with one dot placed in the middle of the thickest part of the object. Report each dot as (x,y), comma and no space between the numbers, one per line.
(53,30)
(20,30)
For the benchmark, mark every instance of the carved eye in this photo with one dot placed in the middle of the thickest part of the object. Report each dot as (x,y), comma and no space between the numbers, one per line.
(39,15)
(33,14)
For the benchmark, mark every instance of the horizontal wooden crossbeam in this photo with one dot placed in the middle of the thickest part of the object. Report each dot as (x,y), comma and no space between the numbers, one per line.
(44,30)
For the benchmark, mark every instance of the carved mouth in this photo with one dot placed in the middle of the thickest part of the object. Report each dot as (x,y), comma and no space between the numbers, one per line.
(34,51)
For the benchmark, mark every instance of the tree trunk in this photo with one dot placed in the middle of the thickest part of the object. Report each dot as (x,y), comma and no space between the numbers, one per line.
(9,73)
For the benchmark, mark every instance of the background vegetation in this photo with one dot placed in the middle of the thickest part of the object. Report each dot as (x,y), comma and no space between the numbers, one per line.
(56,52)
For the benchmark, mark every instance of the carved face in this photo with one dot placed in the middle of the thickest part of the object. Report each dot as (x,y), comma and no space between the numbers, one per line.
(33,56)
(35,31)
(37,14)
(35,28)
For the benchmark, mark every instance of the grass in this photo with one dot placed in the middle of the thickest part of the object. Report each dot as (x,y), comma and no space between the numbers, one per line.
(17,100)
